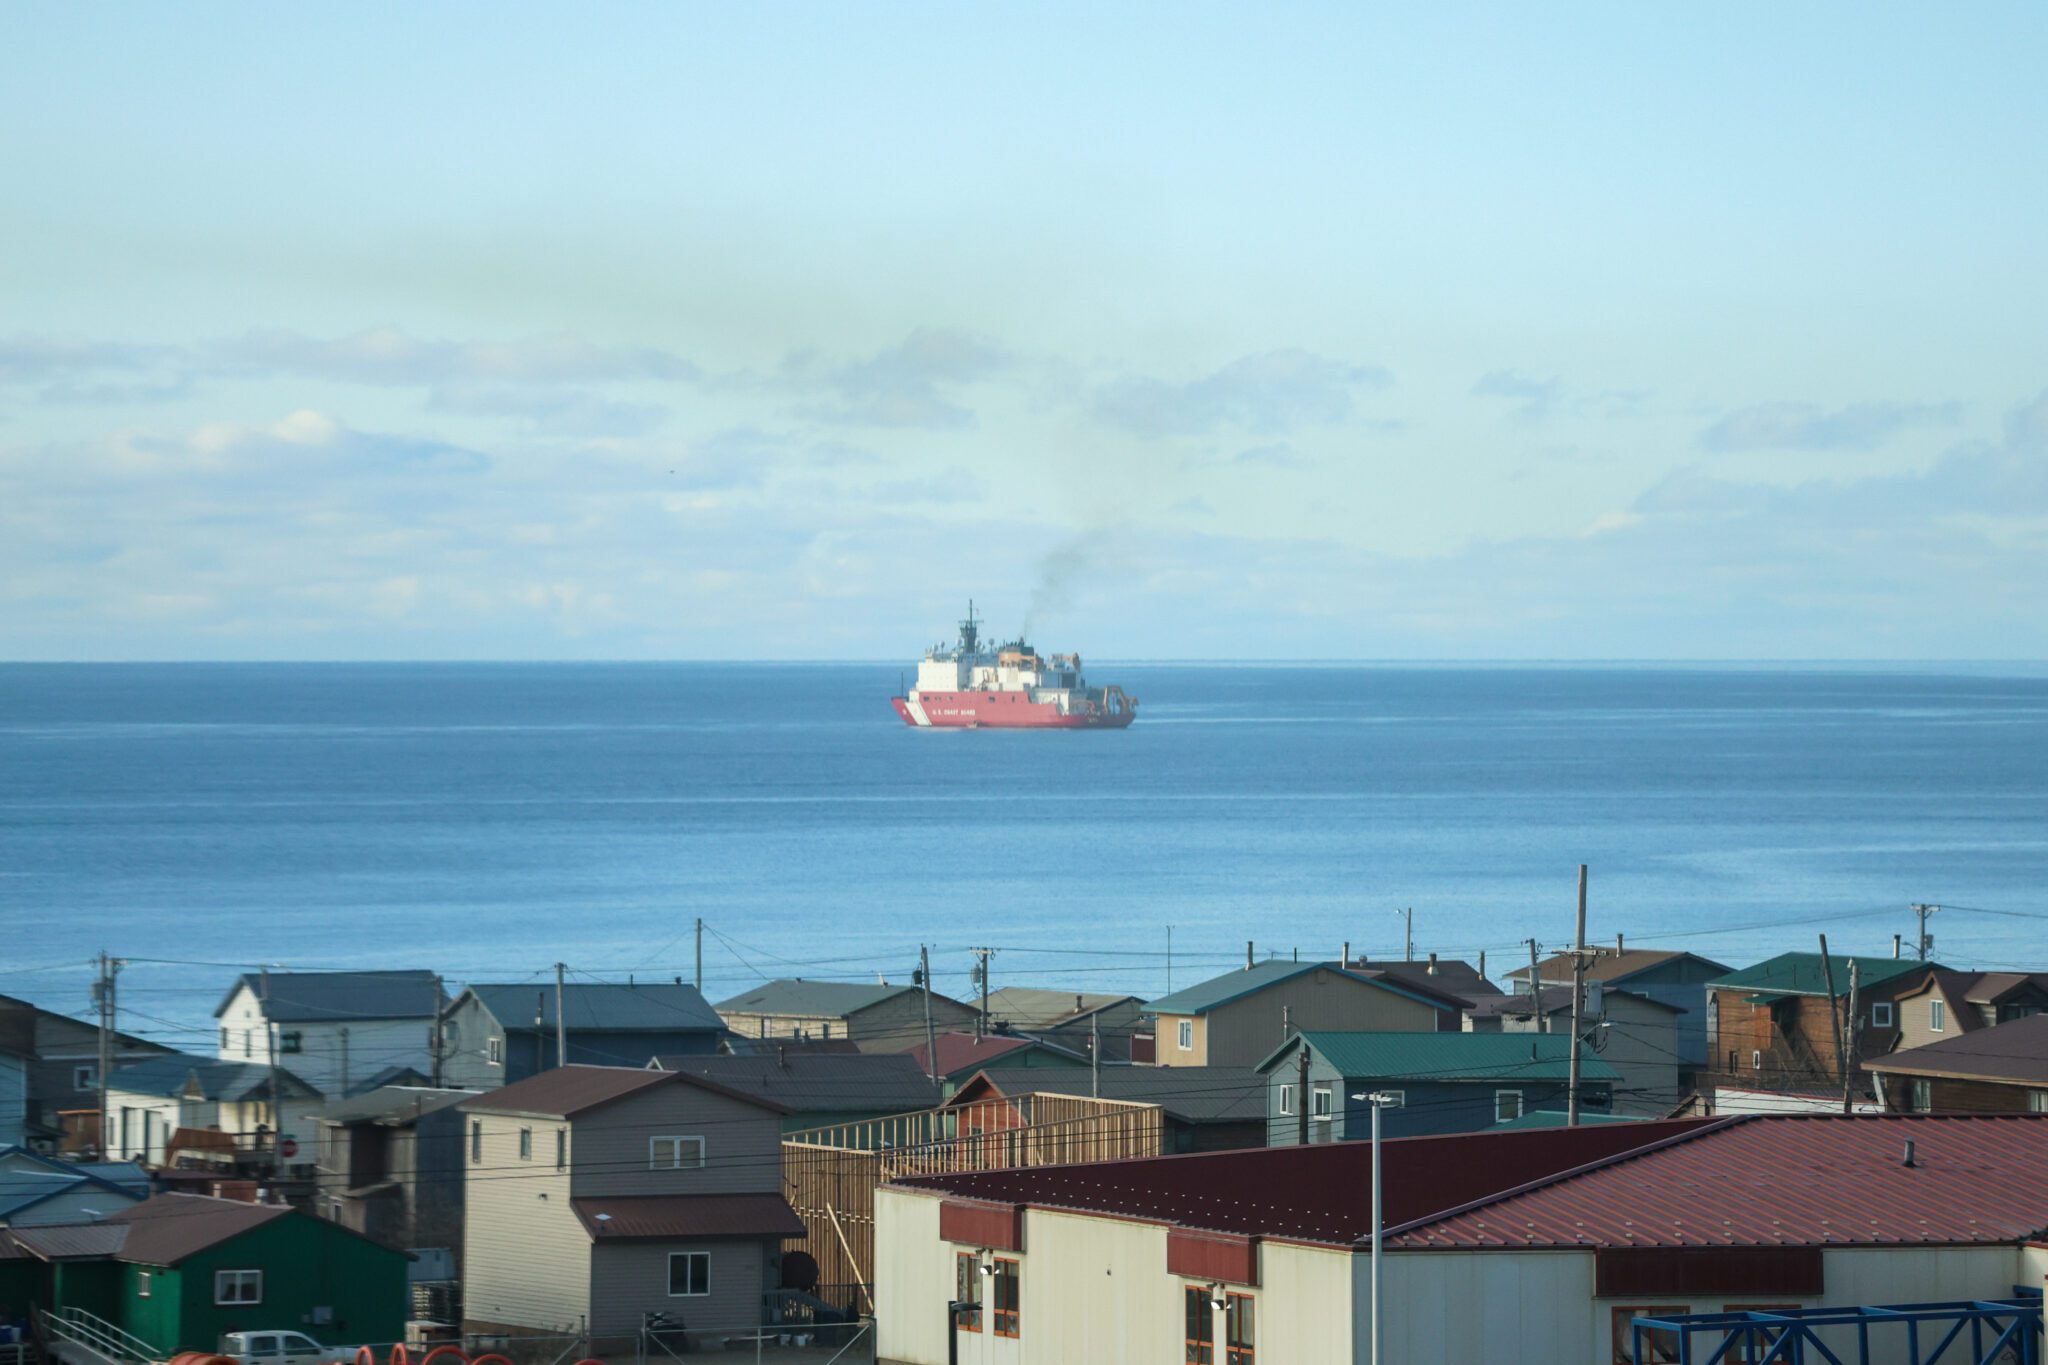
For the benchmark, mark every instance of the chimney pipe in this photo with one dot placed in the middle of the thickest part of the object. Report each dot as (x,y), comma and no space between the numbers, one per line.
(1896,941)
(1432,964)
(1908,1162)
(1345,961)
(1617,944)
(1247,954)
(1482,964)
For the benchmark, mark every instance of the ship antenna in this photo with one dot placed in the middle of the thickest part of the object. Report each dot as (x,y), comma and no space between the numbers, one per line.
(970,632)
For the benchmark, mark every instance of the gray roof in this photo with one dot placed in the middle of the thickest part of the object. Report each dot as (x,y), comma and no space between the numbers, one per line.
(1191,1094)
(853,1082)
(1204,996)
(813,999)
(218,1080)
(393,1104)
(1451,974)
(595,1007)
(1030,1007)
(317,997)
(29,1178)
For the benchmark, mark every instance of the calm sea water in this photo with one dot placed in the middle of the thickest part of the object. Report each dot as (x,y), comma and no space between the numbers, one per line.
(490,820)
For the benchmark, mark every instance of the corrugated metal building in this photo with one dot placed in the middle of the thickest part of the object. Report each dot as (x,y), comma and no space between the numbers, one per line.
(1537,1247)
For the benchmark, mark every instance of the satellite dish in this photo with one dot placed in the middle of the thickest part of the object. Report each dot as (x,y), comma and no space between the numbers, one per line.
(799,1271)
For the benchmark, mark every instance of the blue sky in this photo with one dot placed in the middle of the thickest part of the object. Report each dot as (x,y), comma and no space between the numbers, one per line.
(693,331)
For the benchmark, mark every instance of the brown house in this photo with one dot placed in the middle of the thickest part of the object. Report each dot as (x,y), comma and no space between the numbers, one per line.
(878,1018)
(598,1195)
(2001,1070)
(1238,1018)
(1771,1028)
(1948,1003)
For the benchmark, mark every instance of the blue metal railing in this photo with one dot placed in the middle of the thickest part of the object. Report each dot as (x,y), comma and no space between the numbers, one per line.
(1996,1327)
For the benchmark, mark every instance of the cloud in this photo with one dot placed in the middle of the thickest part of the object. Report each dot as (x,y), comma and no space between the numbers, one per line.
(1807,426)
(550,410)
(391,356)
(34,358)
(915,385)
(1269,393)
(1533,398)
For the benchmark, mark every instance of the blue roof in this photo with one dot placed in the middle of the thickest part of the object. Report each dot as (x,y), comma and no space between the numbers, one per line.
(169,1076)
(1204,996)
(29,1178)
(598,1007)
(1450,1056)
(316,997)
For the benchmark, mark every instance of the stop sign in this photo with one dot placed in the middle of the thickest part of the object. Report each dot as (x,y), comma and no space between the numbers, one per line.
(288,1147)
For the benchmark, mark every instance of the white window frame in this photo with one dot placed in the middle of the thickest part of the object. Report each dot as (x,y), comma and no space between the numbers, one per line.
(526,1144)
(2037,1101)
(1521,1106)
(1920,1096)
(142,1285)
(1319,1102)
(677,1145)
(1756,1059)
(494,1050)
(1287,1097)
(1880,1014)
(225,1281)
(1185,1035)
(86,1077)
(1937,1015)
(561,1149)
(704,1280)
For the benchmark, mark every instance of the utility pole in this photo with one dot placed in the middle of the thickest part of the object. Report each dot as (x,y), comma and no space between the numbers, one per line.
(434,1035)
(1578,1003)
(1926,940)
(276,1118)
(1408,937)
(1301,1095)
(1169,959)
(931,1042)
(982,955)
(700,955)
(1536,993)
(1095,1055)
(561,1021)
(103,996)
(1827,976)
(1849,1045)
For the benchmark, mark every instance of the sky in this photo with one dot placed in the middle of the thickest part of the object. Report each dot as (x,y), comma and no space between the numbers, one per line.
(693,331)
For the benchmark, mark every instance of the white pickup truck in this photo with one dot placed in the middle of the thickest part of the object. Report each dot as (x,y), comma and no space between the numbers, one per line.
(283,1348)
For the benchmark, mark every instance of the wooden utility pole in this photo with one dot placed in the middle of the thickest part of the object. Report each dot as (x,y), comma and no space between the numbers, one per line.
(276,1118)
(931,1042)
(1849,1046)
(1536,993)
(1169,959)
(1578,1003)
(700,955)
(103,996)
(561,1021)
(1926,944)
(1301,1094)
(434,1035)
(1408,938)
(1095,1055)
(1827,976)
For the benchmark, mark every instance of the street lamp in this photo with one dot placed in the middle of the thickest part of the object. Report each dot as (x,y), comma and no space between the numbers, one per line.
(1378,1099)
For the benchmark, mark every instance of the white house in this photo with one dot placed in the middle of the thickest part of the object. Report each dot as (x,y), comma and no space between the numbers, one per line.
(147,1102)
(1540,1247)
(339,1032)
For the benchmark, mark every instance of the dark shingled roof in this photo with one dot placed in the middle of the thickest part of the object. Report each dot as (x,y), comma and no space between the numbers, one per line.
(318,997)
(1204,996)
(567,1091)
(218,1080)
(865,1082)
(813,999)
(1611,967)
(960,1051)
(598,1007)
(169,1228)
(1452,976)
(2015,1052)
(1190,1094)
(674,1217)
(393,1104)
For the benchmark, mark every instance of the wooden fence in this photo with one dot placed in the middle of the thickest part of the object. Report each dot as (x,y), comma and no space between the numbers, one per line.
(830,1174)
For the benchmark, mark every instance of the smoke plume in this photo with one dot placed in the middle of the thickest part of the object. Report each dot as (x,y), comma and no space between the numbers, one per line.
(1066,571)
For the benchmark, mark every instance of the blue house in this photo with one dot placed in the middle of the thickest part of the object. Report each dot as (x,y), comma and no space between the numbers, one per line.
(1677,979)
(1448,1082)
(495,1035)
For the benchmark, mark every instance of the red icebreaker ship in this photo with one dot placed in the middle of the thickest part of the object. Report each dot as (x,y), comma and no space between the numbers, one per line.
(1011,687)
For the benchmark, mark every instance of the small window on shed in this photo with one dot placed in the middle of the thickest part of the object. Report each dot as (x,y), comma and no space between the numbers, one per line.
(1507,1104)
(237,1287)
(1286,1099)
(1881,1014)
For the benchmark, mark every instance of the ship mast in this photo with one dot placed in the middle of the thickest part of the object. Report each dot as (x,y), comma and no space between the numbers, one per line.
(970,630)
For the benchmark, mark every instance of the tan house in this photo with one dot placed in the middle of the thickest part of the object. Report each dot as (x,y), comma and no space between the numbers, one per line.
(1947,1004)
(878,1018)
(597,1195)
(1238,1018)
(1071,1019)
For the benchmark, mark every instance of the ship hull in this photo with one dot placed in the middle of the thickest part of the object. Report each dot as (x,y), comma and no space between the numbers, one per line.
(1000,711)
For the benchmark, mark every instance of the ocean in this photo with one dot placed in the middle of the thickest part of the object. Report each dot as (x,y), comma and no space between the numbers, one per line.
(490,820)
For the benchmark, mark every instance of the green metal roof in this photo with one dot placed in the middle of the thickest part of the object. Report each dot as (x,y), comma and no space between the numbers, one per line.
(1801,974)
(1204,996)
(1451,1056)
(1557,1118)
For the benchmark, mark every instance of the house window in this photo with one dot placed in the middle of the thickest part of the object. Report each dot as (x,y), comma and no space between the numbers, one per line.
(1004,1314)
(85,1077)
(476,1141)
(237,1287)
(142,1285)
(526,1144)
(2037,1101)
(1240,1334)
(1321,1100)
(1286,1099)
(1200,1328)
(288,1041)
(1187,1035)
(967,1289)
(1507,1104)
(675,1154)
(689,1274)
(1923,1097)
(1756,1059)
(224,1044)
(561,1149)
(494,1051)
(248,1042)
(1659,1346)
(1937,1015)
(1881,1014)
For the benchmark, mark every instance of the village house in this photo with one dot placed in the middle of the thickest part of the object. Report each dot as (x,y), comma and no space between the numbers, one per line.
(495,1035)
(389,1165)
(1637,1035)
(150,1101)
(1446,1082)
(818,1088)
(1445,975)
(957,1056)
(1945,1003)
(37,1189)
(1238,1018)
(177,1271)
(1772,1028)
(338,1032)
(2002,1070)
(1203,1108)
(1071,1019)
(595,1196)
(1678,979)
(878,1018)
(1538,1247)
(61,1073)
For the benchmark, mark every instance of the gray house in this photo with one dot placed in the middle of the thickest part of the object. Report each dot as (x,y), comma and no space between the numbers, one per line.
(1448,1082)
(1069,1018)
(879,1018)
(1235,1019)
(818,1088)
(1677,979)
(595,1196)
(1635,1034)
(61,1072)
(495,1035)
(389,1165)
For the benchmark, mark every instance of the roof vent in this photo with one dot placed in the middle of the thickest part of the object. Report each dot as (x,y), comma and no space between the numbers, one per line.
(1432,964)
(1908,1162)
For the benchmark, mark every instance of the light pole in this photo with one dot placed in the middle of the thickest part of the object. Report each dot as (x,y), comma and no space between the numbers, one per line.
(1378,1100)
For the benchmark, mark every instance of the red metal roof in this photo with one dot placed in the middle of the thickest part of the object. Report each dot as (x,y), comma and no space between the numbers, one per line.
(673,1217)
(1782,1180)
(1310,1194)
(957,1051)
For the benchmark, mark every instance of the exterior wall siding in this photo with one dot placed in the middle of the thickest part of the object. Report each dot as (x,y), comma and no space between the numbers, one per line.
(332,1057)
(742,1145)
(630,1279)
(466,1032)
(525,1256)
(895,1025)
(1643,1045)
(1244,1032)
